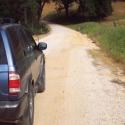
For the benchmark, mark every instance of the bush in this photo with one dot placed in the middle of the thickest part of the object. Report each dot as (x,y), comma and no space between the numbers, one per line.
(38,29)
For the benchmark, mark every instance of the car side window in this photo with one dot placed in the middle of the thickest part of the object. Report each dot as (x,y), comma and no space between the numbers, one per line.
(29,38)
(22,33)
(3,58)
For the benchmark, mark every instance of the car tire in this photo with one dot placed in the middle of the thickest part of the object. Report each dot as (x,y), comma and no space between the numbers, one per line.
(28,117)
(41,81)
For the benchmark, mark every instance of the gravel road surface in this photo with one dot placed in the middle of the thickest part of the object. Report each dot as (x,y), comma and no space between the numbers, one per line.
(80,90)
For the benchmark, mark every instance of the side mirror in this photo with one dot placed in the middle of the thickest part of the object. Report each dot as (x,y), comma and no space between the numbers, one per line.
(42,46)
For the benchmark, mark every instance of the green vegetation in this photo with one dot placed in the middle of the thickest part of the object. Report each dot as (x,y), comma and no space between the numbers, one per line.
(88,9)
(110,38)
(42,28)
(29,12)
(95,8)
(109,33)
(26,12)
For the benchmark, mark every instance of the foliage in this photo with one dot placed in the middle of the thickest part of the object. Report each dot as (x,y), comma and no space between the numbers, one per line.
(27,12)
(88,9)
(31,10)
(63,4)
(95,8)
(22,10)
(41,28)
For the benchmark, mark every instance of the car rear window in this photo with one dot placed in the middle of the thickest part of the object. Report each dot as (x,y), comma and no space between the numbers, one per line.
(3,59)
(17,45)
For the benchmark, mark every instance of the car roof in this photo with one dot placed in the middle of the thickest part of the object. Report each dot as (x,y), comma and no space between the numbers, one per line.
(5,26)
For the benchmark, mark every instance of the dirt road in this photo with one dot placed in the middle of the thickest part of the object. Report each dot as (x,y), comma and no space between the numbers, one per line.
(80,90)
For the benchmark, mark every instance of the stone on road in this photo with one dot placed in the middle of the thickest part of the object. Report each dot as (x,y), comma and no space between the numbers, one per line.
(77,91)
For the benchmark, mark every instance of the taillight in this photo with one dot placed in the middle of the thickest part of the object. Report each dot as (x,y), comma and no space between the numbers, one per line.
(14,83)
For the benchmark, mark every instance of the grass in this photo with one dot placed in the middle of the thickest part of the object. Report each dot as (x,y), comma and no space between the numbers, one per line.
(108,37)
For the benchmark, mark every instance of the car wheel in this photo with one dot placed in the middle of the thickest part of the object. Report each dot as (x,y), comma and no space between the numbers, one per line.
(28,117)
(41,81)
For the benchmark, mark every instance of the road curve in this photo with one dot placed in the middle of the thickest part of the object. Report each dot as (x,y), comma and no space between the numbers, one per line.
(78,92)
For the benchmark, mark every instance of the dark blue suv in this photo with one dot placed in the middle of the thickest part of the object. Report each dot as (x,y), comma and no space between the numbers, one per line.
(22,74)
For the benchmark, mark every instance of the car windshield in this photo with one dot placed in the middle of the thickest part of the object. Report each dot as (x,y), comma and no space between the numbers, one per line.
(3,59)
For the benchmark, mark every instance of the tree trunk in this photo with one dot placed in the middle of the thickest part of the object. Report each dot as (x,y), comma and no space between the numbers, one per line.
(40,9)
(67,10)
(81,5)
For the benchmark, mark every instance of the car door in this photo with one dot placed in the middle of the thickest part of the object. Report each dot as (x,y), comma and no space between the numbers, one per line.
(3,71)
(36,57)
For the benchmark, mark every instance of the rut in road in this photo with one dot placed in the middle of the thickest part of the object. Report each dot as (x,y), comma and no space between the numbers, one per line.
(78,92)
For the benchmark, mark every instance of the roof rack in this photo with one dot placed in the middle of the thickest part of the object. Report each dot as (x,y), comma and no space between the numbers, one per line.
(7,20)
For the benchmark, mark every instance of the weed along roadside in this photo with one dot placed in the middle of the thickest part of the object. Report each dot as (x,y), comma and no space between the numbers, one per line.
(109,37)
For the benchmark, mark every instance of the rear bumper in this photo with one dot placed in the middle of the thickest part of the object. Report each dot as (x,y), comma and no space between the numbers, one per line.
(11,111)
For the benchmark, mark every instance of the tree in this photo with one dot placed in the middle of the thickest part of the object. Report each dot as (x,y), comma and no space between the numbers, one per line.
(64,4)
(25,11)
(95,8)
(41,4)
(87,8)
